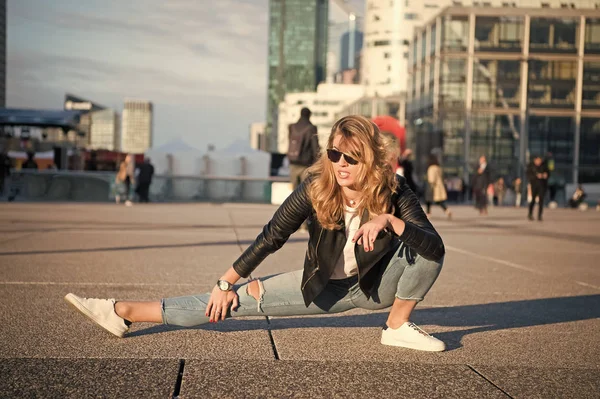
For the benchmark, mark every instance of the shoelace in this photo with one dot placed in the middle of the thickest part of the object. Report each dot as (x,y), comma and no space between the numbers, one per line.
(418,329)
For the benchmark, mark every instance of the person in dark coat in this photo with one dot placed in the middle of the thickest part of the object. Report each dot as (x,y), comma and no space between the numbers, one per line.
(30,163)
(481,180)
(144,180)
(303,148)
(4,169)
(537,174)
(408,170)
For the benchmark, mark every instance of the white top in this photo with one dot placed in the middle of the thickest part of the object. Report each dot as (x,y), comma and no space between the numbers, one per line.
(346,265)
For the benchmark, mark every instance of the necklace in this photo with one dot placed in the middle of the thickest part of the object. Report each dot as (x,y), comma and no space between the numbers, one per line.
(352,203)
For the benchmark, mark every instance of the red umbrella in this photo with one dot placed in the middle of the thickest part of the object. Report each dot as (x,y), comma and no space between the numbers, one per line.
(388,124)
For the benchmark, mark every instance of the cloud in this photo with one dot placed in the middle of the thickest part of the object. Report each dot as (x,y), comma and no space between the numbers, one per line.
(203,64)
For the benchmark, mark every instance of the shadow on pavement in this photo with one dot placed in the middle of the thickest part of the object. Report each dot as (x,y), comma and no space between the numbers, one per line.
(476,318)
(138,247)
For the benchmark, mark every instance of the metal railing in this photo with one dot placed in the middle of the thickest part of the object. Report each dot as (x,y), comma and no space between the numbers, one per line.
(27,185)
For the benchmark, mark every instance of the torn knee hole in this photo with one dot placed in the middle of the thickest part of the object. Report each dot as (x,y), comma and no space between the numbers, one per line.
(253,289)
(256,289)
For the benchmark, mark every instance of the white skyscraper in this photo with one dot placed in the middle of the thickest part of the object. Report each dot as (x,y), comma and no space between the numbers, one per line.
(388,29)
(136,133)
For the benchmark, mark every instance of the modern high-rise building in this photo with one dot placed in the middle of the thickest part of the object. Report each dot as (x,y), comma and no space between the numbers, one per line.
(297,53)
(136,128)
(82,138)
(2,53)
(388,29)
(105,130)
(508,83)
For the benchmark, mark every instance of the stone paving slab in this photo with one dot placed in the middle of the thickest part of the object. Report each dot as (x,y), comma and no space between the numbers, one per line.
(326,379)
(88,378)
(542,383)
(36,322)
(356,335)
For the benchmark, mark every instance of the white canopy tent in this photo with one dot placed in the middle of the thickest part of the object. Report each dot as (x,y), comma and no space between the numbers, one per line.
(185,159)
(239,159)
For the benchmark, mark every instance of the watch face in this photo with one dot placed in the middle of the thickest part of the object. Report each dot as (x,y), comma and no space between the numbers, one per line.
(224,285)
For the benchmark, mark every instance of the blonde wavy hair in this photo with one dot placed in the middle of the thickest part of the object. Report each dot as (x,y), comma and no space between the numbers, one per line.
(362,140)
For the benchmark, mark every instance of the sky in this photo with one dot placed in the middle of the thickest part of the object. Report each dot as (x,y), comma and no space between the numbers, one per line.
(203,63)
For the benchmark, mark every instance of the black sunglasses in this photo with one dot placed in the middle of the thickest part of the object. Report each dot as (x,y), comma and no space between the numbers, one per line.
(335,156)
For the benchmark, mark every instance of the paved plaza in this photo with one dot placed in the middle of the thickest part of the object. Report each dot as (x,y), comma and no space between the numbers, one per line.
(517,303)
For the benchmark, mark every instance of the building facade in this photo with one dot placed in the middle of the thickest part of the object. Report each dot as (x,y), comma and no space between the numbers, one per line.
(297,53)
(388,30)
(137,126)
(325,104)
(105,130)
(508,83)
(83,137)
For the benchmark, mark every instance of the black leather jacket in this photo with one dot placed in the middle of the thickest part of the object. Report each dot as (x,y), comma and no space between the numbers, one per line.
(326,246)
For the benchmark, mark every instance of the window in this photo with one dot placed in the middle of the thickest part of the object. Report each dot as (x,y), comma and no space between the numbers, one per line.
(405,42)
(591,85)
(499,34)
(453,82)
(493,135)
(386,55)
(592,36)
(552,84)
(411,16)
(378,43)
(455,33)
(552,134)
(555,35)
(432,38)
(496,83)
(589,149)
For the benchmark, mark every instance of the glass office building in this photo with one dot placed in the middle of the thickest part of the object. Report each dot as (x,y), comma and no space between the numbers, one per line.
(297,52)
(507,83)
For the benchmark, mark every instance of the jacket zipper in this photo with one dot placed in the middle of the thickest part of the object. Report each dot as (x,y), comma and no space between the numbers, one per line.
(316,260)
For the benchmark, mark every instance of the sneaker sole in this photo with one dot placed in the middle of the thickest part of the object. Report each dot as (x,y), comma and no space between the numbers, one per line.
(71,300)
(410,345)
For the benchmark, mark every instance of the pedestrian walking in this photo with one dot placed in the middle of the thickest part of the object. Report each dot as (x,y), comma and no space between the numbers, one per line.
(144,180)
(125,179)
(481,180)
(518,189)
(500,191)
(436,191)
(537,174)
(408,170)
(370,246)
(303,148)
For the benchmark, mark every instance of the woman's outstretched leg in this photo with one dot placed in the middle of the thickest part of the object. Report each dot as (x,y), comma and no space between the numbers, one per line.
(139,312)
(278,295)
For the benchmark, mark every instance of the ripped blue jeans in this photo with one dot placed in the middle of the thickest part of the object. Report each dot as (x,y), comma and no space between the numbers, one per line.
(406,276)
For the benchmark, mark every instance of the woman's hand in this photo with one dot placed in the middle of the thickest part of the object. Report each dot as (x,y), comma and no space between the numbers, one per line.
(368,232)
(219,303)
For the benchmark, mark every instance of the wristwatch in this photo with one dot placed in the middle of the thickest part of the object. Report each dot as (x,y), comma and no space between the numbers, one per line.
(224,285)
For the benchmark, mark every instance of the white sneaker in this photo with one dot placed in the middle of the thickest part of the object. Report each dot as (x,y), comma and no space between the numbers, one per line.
(408,335)
(128,203)
(101,311)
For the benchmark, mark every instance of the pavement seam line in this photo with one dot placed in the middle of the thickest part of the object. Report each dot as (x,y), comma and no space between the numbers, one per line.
(488,380)
(587,285)
(270,333)
(179,379)
(500,261)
